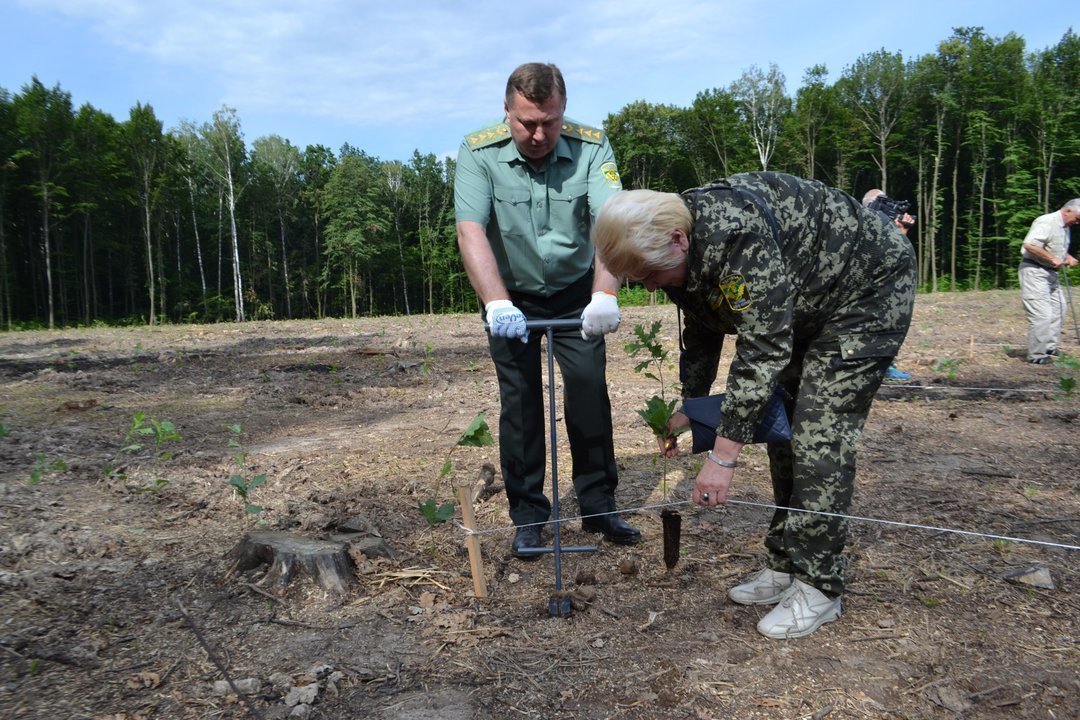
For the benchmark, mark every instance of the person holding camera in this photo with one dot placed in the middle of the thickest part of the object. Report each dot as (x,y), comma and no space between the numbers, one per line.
(895,212)
(1045,253)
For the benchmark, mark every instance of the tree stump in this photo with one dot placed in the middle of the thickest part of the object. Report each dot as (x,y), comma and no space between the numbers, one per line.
(327,563)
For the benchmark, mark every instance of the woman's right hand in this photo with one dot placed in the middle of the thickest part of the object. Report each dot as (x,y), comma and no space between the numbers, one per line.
(669,444)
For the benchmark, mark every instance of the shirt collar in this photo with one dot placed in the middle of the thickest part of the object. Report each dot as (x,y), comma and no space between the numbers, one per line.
(509,152)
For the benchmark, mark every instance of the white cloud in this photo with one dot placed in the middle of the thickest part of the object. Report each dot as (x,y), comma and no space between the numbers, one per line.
(369,63)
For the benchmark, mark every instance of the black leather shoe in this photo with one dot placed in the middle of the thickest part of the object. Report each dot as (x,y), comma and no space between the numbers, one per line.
(614,529)
(526,538)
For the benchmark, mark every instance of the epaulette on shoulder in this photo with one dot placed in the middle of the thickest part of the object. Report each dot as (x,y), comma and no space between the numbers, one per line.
(587,133)
(488,136)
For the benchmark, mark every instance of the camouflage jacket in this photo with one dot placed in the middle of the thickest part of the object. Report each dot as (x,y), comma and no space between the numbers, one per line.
(773,259)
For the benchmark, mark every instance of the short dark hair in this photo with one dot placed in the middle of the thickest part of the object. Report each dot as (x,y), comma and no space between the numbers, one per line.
(538,82)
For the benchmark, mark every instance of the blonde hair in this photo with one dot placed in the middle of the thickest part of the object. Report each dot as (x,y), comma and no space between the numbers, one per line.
(632,233)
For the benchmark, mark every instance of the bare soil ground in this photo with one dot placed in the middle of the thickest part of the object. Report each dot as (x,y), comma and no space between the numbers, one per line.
(115,601)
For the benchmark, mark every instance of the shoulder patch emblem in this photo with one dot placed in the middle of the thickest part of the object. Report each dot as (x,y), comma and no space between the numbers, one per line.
(736,291)
(488,136)
(611,173)
(582,132)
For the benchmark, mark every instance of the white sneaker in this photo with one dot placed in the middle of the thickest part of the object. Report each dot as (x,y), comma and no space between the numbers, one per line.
(765,588)
(802,610)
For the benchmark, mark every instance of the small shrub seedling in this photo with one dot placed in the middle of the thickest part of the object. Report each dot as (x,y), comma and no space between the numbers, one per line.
(656,414)
(162,431)
(476,435)
(239,482)
(658,409)
(1069,367)
(153,486)
(1001,547)
(429,353)
(42,466)
(949,367)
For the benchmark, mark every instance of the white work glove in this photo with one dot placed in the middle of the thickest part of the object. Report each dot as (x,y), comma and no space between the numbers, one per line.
(505,320)
(601,316)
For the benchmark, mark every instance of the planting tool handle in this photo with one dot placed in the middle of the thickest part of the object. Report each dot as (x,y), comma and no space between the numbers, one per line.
(554,324)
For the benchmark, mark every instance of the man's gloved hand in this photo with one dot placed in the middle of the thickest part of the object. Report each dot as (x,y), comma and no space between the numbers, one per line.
(505,320)
(601,315)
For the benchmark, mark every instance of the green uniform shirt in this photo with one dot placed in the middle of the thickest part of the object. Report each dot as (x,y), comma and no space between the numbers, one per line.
(538,221)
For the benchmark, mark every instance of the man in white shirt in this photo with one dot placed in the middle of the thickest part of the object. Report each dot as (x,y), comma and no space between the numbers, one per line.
(1046,251)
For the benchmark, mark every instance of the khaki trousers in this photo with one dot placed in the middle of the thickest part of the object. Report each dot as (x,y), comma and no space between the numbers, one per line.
(1044,303)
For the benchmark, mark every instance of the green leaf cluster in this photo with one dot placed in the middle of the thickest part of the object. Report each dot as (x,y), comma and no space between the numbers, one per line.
(658,409)
(435,513)
(42,466)
(1070,367)
(242,484)
(657,413)
(654,357)
(162,431)
(477,434)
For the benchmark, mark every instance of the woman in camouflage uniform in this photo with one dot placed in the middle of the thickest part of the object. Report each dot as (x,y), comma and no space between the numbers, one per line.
(819,293)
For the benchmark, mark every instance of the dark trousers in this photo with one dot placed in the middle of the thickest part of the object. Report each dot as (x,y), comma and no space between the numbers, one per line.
(587,410)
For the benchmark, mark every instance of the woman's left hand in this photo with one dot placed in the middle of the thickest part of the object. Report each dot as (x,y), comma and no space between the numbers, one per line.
(714,479)
(711,484)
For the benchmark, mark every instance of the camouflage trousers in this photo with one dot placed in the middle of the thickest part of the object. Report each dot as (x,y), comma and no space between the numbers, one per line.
(835,371)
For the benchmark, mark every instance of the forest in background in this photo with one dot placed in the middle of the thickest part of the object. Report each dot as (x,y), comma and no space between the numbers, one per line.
(125,222)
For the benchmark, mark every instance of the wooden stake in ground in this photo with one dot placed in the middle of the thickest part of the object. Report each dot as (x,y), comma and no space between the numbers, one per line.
(472,541)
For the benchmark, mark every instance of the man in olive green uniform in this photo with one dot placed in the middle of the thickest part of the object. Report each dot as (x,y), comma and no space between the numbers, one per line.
(525,194)
(819,292)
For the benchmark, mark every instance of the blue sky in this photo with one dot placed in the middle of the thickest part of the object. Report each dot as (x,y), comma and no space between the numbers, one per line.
(393,77)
